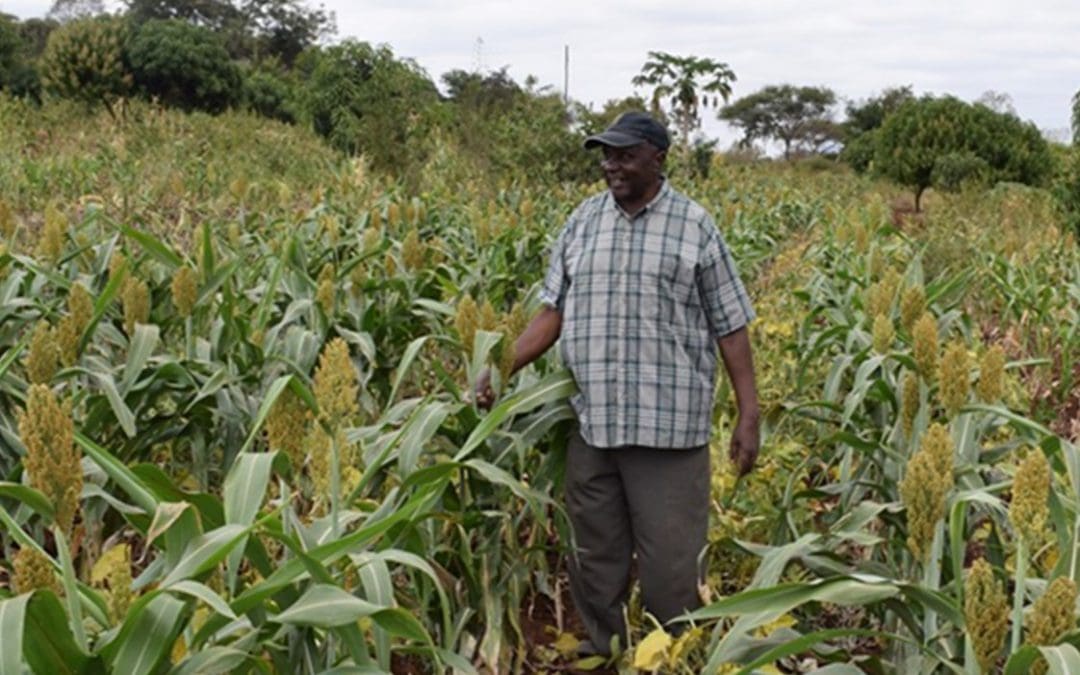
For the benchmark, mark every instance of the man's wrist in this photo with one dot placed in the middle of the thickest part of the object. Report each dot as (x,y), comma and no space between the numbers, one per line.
(750,413)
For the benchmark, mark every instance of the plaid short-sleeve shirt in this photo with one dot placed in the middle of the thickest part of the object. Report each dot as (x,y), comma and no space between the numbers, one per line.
(643,302)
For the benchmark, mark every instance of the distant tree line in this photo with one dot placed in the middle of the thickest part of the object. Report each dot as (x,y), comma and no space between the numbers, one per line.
(271,57)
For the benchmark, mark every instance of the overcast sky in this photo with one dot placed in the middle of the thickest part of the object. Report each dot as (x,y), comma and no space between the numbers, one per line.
(1028,50)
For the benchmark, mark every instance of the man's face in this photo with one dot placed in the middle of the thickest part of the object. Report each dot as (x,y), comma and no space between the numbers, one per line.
(630,172)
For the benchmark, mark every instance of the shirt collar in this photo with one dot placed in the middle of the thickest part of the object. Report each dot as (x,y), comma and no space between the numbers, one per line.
(664,190)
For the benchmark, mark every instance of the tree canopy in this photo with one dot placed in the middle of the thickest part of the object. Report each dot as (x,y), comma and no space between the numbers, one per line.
(797,117)
(685,82)
(944,141)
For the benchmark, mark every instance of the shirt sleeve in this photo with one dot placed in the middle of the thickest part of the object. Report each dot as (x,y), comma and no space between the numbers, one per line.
(727,305)
(556,281)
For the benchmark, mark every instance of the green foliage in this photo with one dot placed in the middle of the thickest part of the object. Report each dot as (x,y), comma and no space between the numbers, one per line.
(797,117)
(84,60)
(251,30)
(926,132)
(184,65)
(363,100)
(863,119)
(270,93)
(514,131)
(685,83)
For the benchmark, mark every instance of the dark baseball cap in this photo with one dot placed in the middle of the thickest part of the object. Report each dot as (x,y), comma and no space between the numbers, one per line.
(630,129)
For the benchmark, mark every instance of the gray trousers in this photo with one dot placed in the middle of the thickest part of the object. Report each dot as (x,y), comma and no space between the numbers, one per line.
(635,501)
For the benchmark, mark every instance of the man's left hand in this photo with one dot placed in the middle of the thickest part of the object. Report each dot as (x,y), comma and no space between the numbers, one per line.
(745,442)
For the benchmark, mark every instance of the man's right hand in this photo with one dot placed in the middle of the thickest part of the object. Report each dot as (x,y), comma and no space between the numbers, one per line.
(483,393)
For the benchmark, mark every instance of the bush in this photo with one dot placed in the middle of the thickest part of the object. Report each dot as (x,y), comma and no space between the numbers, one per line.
(365,101)
(185,66)
(927,132)
(270,95)
(84,60)
(956,170)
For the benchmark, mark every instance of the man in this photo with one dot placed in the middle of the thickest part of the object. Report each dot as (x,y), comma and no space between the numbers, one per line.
(643,291)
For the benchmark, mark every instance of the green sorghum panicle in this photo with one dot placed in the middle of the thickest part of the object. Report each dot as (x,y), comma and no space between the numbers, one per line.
(986,613)
(489,318)
(325,293)
(466,320)
(286,427)
(991,383)
(412,251)
(52,462)
(185,291)
(925,345)
(70,329)
(924,488)
(884,334)
(954,377)
(336,385)
(912,306)
(1052,616)
(33,572)
(43,355)
(51,241)
(1028,509)
(135,297)
(113,569)
(909,402)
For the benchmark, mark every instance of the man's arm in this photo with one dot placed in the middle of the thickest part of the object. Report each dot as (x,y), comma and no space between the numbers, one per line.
(538,336)
(739,363)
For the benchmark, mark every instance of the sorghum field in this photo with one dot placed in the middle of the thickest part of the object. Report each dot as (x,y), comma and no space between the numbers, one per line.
(236,433)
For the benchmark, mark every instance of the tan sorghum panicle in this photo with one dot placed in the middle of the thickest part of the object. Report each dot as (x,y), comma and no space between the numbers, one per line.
(358,276)
(922,491)
(986,613)
(877,300)
(135,297)
(512,327)
(939,445)
(991,375)
(954,378)
(909,406)
(393,216)
(884,334)
(117,261)
(7,220)
(390,264)
(324,294)
(43,355)
(912,306)
(113,569)
(33,572)
(185,291)
(52,461)
(51,242)
(336,385)
(412,251)
(488,319)
(1028,509)
(925,345)
(286,426)
(374,223)
(317,450)
(466,320)
(1051,617)
(372,236)
(70,329)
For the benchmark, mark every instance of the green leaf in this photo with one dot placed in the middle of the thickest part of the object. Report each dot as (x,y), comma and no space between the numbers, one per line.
(140,349)
(12,621)
(211,661)
(123,413)
(135,488)
(402,623)
(403,366)
(326,606)
(206,551)
(783,597)
(272,394)
(154,628)
(71,589)
(29,496)
(154,246)
(558,385)
(204,593)
(807,641)
(1063,659)
(47,643)
(245,488)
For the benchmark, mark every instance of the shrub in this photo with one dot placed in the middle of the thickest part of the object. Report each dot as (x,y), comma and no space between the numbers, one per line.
(270,95)
(84,60)
(364,100)
(926,132)
(185,66)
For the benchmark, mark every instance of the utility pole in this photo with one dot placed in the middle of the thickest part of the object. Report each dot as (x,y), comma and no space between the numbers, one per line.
(566,75)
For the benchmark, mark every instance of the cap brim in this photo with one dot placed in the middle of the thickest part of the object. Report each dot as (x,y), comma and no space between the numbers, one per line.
(614,139)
